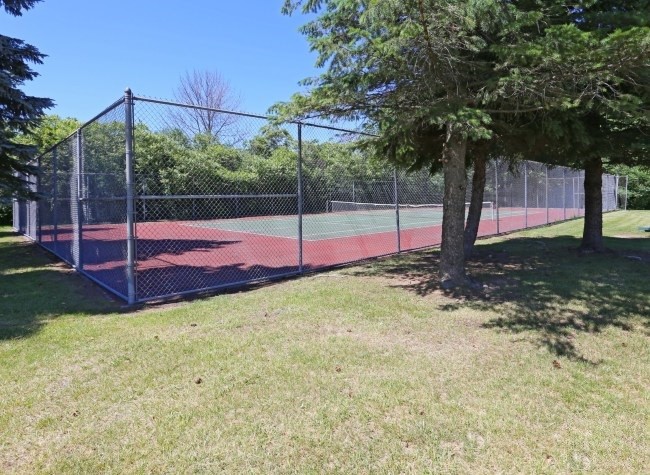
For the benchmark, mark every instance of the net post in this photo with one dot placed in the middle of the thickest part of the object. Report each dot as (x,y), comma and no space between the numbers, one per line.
(78,229)
(627,179)
(546,196)
(299,175)
(396,197)
(525,194)
(130,214)
(496,190)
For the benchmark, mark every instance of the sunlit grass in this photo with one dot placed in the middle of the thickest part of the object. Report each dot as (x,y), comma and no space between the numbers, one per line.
(368,369)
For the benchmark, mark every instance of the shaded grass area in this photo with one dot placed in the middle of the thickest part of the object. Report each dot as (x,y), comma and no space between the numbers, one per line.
(369,369)
(36,288)
(538,282)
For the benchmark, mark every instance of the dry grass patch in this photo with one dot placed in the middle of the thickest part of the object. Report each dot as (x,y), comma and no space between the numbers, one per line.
(370,369)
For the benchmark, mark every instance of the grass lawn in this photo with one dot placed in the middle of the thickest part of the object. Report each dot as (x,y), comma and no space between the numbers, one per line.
(367,369)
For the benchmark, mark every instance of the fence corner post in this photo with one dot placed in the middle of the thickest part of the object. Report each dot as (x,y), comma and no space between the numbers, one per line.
(130,208)
(78,229)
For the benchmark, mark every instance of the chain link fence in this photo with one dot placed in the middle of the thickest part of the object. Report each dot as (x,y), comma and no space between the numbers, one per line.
(153,199)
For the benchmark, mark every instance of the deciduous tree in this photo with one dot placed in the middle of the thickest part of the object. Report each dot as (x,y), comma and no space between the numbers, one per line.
(210,91)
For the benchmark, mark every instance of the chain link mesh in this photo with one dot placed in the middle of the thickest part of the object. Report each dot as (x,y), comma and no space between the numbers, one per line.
(101,192)
(215,205)
(222,199)
(81,211)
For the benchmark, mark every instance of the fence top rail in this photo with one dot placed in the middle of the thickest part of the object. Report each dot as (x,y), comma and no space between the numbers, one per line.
(246,114)
(121,100)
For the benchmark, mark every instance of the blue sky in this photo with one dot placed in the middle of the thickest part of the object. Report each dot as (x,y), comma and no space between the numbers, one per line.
(97,48)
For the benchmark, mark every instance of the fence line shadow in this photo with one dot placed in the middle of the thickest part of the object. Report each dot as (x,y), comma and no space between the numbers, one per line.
(37,287)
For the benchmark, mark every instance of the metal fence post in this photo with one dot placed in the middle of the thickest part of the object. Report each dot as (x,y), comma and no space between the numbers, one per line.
(573,194)
(546,196)
(300,263)
(39,202)
(581,193)
(496,190)
(564,192)
(396,196)
(130,208)
(55,205)
(525,194)
(78,228)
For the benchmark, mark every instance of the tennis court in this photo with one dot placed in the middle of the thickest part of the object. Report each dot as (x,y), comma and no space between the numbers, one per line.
(150,212)
(346,219)
(176,257)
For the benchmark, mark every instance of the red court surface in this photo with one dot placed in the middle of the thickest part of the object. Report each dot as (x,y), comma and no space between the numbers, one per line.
(176,257)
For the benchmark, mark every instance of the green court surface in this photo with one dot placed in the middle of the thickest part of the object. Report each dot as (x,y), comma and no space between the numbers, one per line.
(317,227)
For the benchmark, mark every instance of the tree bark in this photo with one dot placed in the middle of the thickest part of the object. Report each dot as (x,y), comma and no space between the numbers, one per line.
(592,234)
(452,255)
(476,203)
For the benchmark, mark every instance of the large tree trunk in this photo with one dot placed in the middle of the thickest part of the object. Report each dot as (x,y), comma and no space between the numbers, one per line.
(452,255)
(476,203)
(592,234)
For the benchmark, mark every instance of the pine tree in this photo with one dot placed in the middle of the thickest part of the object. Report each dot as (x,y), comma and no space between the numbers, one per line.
(435,77)
(595,58)
(18,111)
(417,71)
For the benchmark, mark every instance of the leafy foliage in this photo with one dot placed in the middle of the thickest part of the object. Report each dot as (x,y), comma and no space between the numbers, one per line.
(50,130)
(170,163)
(638,185)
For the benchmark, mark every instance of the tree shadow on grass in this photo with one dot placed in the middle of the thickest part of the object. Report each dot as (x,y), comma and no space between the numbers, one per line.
(36,287)
(543,287)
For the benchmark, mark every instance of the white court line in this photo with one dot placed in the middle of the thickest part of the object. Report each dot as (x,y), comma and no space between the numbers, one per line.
(214,228)
(315,236)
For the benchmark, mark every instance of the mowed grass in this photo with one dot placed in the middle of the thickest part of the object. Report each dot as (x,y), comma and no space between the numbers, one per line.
(367,369)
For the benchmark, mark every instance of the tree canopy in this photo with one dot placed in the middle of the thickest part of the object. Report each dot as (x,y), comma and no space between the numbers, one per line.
(431,77)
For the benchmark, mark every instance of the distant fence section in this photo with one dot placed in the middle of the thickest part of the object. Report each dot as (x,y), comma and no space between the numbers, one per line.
(153,199)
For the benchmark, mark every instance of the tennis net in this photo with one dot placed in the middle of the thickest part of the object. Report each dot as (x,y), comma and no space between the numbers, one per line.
(425,209)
